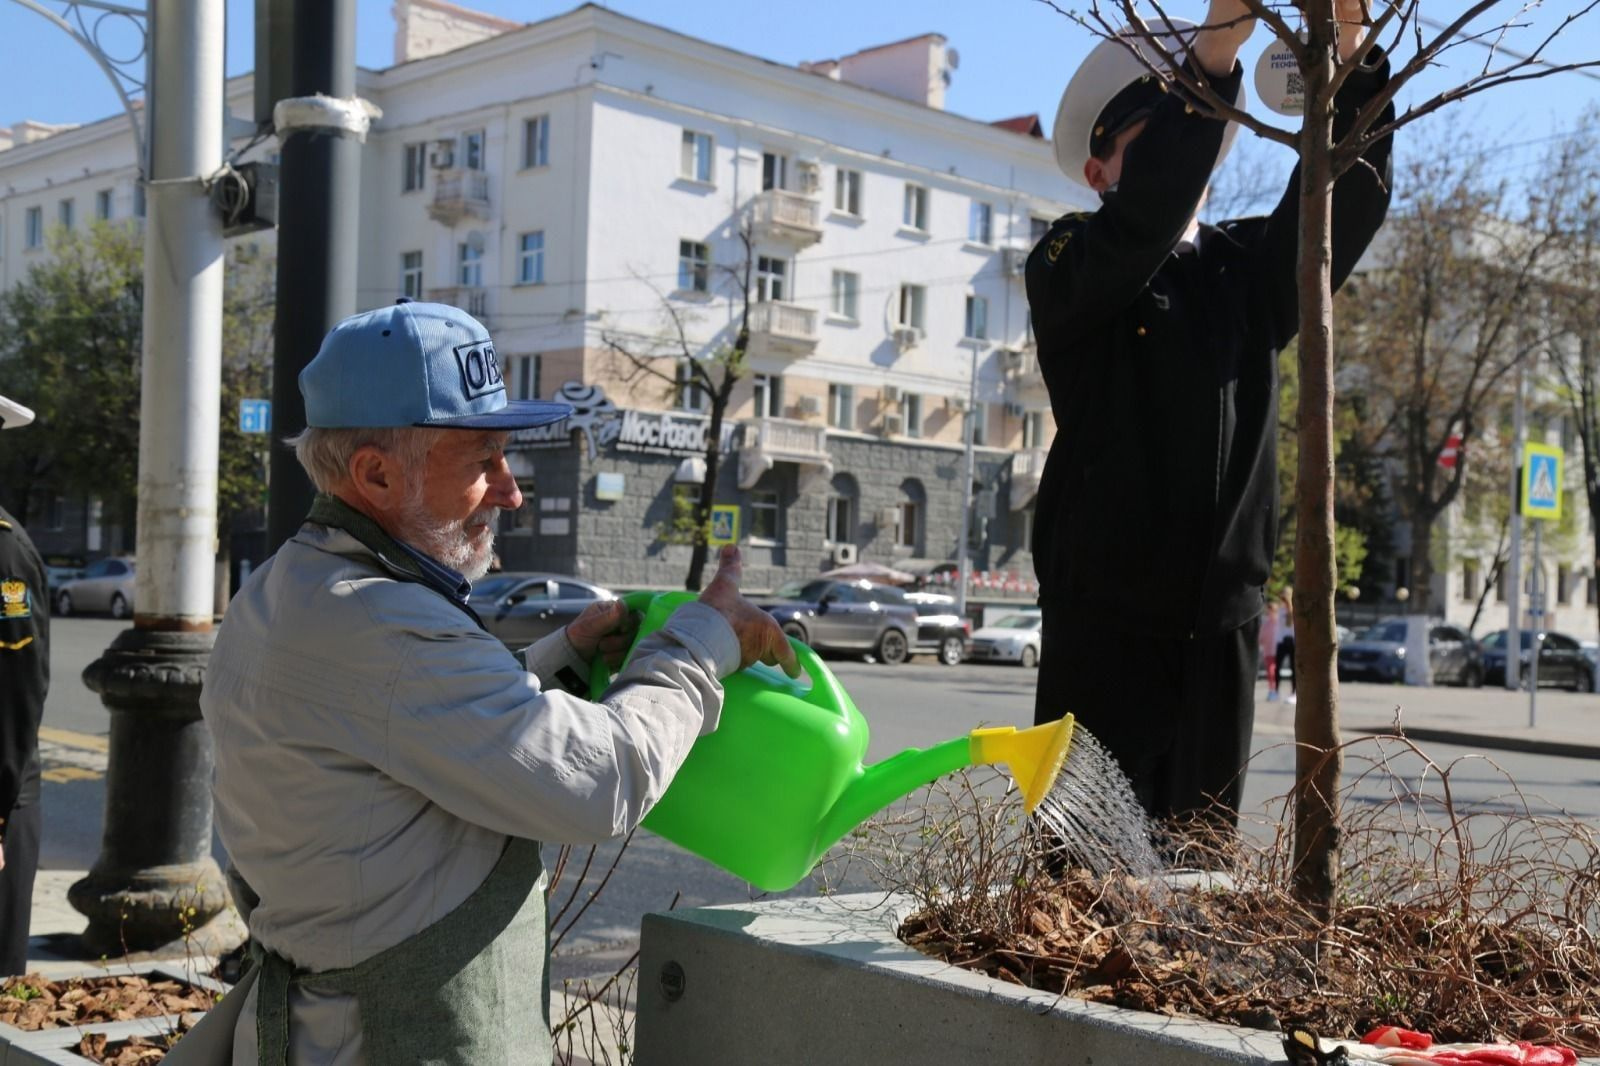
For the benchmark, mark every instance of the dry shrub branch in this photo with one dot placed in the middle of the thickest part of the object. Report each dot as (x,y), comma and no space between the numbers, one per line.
(1469,920)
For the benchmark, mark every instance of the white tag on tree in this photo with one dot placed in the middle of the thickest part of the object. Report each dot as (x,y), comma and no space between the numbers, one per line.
(1279,83)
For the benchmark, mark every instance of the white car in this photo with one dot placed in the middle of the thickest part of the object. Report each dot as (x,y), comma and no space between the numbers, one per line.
(1013,639)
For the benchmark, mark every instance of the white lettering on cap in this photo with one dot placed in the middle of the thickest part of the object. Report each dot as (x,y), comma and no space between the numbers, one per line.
(480,370)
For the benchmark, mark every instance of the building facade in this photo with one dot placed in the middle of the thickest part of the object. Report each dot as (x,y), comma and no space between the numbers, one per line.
(614,200)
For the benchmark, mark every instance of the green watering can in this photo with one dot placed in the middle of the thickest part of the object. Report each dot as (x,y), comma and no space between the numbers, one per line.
(781,781)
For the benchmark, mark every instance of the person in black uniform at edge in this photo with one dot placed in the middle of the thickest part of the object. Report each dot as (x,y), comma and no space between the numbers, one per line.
(24,679)
(1158,336)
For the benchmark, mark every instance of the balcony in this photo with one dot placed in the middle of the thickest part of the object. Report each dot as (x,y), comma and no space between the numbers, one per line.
(781,215)
(765,442)
(782,329)
(474,301)
(1026,380)
(1027,471)
(459,194)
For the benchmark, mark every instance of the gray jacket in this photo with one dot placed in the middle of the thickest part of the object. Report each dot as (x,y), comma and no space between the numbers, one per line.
(375,748)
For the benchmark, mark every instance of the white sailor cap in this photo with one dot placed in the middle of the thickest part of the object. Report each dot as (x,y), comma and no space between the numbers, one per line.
(13,415)
(1113,89)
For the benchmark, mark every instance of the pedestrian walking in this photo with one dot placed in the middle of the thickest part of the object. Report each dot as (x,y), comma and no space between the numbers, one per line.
(24,682)
(386,769)
(1158,339)
(1284,651)
(1267,646)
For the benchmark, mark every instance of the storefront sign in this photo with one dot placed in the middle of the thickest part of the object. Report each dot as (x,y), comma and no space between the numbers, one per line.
(604,425)
(668,433)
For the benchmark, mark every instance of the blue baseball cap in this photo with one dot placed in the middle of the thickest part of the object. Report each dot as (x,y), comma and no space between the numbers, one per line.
(414,364)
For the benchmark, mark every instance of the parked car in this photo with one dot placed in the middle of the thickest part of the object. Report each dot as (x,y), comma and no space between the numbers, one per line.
(940,631)
(1562,660)
(848,616)
(1379,654)
(58,570)
(520,607)
(106,585)
(1013,639)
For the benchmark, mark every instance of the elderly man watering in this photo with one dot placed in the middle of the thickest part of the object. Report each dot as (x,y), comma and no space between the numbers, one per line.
(386,769)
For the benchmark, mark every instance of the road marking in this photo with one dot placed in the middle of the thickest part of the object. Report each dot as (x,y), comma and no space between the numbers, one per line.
(67,738)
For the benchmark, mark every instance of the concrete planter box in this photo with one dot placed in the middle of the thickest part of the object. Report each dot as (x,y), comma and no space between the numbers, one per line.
(797,982)
(55,1047)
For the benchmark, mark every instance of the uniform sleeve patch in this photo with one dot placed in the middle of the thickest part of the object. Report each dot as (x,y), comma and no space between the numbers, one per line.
(14,599)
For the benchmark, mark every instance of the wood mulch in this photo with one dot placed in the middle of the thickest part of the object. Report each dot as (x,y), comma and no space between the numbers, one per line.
(35,1003)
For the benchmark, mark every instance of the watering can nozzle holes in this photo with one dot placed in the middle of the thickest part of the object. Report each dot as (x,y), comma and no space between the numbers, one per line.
(672,981)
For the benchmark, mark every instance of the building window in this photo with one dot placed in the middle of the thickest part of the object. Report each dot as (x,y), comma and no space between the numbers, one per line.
(530,258)
(1563,584)
(980,422)
(695,163)
(472,150)
(905,533)
(977,318)
(34,228)
(470,273)
(1469,579)
(694,267)
(1594,591)
(841,523)
(102,205)
(138,199)
(764,516)
(769,396)
(911,407)
(771,279)
(691,397)
(416,168)
(915,215)
(1500,586)
(847,192)
(525,370)
(411,275)
(774,171)
(845,287)
(912,300)
(1033,429)
(66,210)
(980,223)
(55,512)
(1037,228)
(842,406)
(536,141)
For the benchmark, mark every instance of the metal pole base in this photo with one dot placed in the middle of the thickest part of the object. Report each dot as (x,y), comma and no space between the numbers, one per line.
(155,883)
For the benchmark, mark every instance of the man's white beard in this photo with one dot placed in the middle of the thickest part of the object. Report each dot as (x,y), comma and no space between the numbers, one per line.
(447,540)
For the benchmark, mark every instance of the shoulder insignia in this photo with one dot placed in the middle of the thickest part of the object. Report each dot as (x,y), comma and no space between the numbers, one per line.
(14,599)
(1053,250)
(4,524)
(16,645)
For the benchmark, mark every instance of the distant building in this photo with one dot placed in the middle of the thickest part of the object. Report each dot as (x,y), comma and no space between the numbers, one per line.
(581,184)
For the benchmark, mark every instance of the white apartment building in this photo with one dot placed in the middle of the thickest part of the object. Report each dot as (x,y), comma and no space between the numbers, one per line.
(583,184)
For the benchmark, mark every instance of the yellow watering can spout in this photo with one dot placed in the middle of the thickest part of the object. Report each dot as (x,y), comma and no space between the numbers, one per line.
(1034,755)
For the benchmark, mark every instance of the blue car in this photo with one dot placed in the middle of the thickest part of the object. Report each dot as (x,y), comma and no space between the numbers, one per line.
(1379,654)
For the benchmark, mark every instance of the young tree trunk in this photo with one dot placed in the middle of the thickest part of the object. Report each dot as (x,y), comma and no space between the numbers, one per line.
(708,488)
(1318,762)
(1420,594)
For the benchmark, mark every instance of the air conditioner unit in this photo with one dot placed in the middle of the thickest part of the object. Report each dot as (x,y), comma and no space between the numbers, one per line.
(888,518)
(844,554)
(955,403)
(1014,261)
(809,405)
(891,425)
(809,178)
(891,394)
(907,337)
(443,156)
(1011,359)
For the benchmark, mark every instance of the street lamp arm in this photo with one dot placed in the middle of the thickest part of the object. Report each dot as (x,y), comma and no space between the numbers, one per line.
(124,82)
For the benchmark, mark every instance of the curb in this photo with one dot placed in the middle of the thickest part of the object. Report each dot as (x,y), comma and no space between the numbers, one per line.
(1570,749)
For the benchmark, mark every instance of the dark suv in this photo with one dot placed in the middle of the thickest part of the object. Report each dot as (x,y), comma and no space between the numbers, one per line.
(853,616)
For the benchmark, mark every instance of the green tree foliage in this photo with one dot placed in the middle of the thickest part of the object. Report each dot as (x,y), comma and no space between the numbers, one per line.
(70,348)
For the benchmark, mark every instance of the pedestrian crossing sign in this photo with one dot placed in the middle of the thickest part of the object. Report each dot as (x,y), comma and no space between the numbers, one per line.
(724,524)
(1541,481)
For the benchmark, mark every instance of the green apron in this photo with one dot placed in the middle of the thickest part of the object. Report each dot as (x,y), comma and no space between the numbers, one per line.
(458,993)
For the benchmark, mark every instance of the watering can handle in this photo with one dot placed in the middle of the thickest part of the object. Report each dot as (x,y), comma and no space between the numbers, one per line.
(825,691)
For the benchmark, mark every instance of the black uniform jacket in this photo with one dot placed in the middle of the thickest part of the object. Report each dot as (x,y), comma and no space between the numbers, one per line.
(1158,506)
(24,664)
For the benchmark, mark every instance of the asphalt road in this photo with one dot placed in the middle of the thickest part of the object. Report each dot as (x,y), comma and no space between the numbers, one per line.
(914,705)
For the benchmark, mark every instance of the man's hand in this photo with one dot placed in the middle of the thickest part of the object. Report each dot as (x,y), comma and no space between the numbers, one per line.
(1228,25)
(605,629)
(760,638)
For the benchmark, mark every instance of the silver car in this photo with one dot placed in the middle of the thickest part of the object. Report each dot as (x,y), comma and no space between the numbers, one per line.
(106,585)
